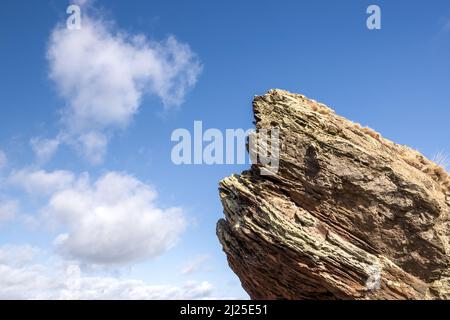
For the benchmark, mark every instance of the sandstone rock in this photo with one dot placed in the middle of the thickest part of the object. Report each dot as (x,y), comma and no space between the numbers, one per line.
(348,215)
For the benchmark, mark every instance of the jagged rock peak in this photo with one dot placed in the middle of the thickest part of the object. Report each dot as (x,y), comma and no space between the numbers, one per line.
(348,215)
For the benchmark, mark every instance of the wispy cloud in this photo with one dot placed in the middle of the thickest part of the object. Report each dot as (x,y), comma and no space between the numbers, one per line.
(8,210)
(17,255)
(194,265)
(44,149)
(40,182)
(446,26)
(3,160)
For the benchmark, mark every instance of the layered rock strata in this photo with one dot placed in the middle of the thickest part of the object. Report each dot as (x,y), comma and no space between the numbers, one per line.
(348,214)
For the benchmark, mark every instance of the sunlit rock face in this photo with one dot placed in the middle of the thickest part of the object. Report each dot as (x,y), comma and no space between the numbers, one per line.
(348,214)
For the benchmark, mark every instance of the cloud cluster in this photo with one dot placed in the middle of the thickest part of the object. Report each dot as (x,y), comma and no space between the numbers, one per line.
(112,221)
(103,74)
(22,277)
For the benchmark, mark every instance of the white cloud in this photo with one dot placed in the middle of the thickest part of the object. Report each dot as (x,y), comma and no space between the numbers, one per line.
(44,149)
(113,288)
(103,74)
(21,277)
(8,211)
(194,265)
(113,221)
(38,282)
(3,160)
(40,182)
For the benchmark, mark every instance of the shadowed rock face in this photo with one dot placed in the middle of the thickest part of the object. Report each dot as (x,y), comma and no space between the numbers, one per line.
(348,215)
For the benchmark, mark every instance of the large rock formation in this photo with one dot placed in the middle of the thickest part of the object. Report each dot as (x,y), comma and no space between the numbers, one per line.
(348,215)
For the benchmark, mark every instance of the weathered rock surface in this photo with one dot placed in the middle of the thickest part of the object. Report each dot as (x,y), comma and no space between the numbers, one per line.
(348,215)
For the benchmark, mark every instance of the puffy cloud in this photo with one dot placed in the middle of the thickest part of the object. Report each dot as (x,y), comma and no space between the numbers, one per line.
(3,159)
(41,182)
(21,277)
(103,74)
(113,221)
(8,211)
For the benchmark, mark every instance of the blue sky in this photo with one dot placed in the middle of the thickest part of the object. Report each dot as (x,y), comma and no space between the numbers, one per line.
(395,80)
